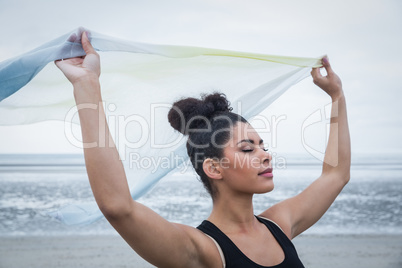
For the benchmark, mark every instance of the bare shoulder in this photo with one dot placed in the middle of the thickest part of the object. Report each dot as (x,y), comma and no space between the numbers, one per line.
(278,214)
(163,243)
(207,251)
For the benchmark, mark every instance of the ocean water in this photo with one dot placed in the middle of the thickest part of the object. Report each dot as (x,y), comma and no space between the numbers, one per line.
(32,185)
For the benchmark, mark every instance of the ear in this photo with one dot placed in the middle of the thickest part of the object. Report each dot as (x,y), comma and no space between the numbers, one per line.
(212,169)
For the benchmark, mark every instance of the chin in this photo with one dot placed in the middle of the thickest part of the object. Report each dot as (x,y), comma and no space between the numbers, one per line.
(266,189)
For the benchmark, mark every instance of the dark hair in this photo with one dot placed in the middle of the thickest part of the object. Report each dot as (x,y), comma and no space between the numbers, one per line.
(204,121)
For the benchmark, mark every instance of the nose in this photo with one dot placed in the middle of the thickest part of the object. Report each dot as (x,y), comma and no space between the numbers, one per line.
(266,158)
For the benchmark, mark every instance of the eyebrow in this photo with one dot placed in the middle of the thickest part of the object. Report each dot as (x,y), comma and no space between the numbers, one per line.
(250,141)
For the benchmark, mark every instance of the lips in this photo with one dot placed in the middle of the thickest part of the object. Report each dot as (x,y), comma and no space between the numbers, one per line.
(266,172)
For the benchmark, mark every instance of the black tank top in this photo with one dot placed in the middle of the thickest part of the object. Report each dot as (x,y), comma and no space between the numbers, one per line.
(236,259)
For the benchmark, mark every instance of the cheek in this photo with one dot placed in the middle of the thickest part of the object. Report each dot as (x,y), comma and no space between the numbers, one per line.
(247,162)
(239,164)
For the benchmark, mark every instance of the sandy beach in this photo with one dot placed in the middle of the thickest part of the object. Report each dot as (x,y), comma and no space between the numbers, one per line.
(111,251)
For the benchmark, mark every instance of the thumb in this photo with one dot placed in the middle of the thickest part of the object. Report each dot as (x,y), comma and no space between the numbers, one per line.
(327,65)
(86,44)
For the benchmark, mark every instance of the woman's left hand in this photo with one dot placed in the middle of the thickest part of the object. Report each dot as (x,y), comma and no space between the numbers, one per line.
(331,83)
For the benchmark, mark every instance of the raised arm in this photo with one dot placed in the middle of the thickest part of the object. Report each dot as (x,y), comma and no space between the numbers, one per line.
(160,242)
(105,171)
(297,214)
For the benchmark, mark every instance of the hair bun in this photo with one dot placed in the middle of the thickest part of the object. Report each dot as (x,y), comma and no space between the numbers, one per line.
(190,113)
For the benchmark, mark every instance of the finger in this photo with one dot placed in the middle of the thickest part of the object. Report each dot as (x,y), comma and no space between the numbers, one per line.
(317,76)
(86,44)
(315,73)
(327,65)
(58,63)
(62,65)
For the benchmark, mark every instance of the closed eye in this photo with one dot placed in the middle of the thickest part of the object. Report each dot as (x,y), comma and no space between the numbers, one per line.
(250,150)
(252,145)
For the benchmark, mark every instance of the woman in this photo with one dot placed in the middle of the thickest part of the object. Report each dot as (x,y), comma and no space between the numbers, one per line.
(233,165)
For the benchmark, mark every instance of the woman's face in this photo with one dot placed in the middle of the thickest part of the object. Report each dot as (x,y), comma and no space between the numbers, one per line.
(246,165)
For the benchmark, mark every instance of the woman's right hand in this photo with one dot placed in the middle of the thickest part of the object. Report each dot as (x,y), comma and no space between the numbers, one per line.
(81,69)
(331,83)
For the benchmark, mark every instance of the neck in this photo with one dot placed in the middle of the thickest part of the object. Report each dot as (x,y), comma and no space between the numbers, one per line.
(233,214)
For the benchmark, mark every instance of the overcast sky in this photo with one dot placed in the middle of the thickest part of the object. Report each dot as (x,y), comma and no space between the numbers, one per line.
(362,38)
